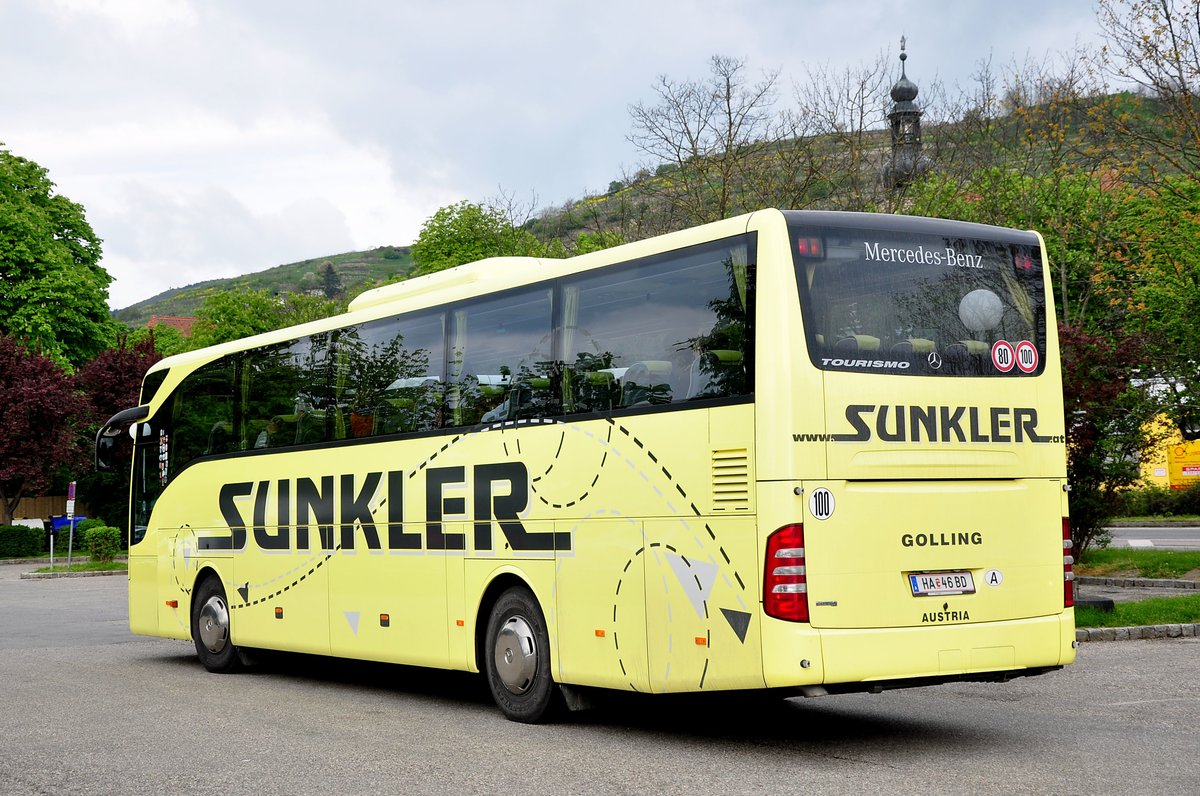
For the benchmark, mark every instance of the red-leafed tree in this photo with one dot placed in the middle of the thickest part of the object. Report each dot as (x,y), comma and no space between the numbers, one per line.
(39,410)
(109,383)
(1106,414)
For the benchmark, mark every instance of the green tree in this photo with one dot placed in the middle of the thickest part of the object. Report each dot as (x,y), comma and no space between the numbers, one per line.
(332,283)
(465,232)
(55,295)
(1153,282)
(234,314)
(166,340)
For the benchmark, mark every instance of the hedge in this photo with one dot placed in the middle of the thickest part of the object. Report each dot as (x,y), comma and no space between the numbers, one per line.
(17,541)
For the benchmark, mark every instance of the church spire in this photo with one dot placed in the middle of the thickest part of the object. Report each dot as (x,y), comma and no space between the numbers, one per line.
(906,162)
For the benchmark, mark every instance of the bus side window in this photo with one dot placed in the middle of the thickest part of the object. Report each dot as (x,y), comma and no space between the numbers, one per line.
(651,333)
(203,414)
(501,365)
(392,380)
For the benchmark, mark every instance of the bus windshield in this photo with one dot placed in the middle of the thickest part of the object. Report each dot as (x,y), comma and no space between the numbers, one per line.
(918,303)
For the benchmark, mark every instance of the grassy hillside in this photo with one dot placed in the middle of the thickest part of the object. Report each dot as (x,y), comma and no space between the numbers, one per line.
(355,269)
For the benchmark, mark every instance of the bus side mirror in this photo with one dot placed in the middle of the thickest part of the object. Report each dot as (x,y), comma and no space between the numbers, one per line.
(106,437)
(106,447)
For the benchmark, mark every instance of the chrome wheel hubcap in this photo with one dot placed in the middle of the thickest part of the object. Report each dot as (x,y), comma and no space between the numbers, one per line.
(516,655)
(214,624)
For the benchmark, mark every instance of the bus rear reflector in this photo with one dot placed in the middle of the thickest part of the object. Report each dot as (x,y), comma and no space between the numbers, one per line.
(1068,566)
(785,585)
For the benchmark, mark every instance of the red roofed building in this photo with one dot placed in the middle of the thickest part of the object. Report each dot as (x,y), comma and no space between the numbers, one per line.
(183,324)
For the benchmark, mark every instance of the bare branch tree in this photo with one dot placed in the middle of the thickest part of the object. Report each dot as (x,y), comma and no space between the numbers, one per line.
(847,112)
(1154,45)
(705,139)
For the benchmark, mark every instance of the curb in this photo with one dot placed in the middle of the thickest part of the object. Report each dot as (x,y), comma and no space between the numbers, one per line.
(1137,583)
(1131,633)
(57,559)
(52,575)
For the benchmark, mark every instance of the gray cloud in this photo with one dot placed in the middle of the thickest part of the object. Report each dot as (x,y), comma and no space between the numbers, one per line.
(214,137)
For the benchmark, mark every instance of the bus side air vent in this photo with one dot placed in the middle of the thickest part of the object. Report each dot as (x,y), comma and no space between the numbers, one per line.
(731,480)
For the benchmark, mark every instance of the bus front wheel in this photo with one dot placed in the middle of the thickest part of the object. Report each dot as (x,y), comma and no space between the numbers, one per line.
(211,628)
(517,659)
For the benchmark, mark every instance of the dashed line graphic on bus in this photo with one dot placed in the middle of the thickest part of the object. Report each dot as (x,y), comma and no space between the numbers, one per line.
(245,589)
(536,479)
(698,597)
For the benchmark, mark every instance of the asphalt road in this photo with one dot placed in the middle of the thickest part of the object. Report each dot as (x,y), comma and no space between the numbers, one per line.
(1172,538)
(90,709)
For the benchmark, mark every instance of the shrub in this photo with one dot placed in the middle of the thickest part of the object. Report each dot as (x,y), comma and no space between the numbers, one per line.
(1187,501)
(17,541)
(88,524)
(102,543)
(1148,501)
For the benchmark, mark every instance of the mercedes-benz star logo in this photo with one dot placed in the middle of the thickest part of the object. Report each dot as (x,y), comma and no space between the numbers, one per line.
(934,360)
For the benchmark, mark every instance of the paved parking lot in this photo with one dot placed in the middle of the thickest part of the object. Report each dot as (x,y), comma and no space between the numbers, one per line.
(91,709)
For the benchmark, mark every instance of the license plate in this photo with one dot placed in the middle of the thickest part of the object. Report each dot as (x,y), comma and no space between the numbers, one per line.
(929,584)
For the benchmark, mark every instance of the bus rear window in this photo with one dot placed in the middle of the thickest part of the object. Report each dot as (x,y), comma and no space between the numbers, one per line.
(920,304)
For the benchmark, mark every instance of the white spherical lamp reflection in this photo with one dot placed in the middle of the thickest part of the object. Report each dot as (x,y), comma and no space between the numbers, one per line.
(980,310)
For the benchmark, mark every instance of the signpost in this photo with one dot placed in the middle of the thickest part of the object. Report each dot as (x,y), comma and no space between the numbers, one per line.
(70,524)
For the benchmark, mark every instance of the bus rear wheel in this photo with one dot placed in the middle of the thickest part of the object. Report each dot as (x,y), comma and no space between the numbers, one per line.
(517,659)
(211,628)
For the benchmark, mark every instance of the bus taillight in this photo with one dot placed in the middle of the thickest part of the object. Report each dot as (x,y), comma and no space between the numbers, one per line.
(1068,566)
(785,586)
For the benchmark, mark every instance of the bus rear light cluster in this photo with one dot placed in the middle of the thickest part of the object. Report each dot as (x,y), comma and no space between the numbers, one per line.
(785,585)
(1068,565)
(810,247)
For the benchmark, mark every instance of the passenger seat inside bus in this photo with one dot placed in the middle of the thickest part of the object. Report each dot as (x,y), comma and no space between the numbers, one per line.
(857,342)
(915,345)
(715,373)
(647,383)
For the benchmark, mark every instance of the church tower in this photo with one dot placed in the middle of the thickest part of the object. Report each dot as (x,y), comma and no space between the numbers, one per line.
(906,162)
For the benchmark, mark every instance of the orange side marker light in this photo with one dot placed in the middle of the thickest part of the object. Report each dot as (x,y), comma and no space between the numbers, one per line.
(701,641)
(172,603)
(599,632)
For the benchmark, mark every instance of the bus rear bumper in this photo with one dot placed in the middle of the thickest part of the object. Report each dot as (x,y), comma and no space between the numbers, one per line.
(874,659)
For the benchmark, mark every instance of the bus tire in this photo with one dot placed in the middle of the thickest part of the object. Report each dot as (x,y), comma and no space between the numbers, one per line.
(517,659)
(211,628)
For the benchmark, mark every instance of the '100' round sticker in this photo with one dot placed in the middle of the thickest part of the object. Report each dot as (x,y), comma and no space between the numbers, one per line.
(1027,356)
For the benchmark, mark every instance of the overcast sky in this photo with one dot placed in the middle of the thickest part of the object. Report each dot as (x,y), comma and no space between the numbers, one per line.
(209,138)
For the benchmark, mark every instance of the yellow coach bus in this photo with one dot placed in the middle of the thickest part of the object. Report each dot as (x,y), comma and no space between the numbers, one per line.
(808,451)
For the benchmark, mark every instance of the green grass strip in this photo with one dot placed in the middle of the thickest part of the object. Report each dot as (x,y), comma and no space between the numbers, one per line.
(87,566)
(1156,611)
(1146,563)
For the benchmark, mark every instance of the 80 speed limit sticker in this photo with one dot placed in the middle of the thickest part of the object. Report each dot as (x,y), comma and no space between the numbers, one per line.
(1003,356)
